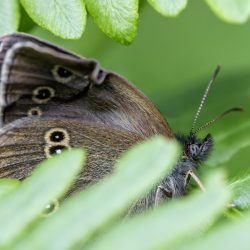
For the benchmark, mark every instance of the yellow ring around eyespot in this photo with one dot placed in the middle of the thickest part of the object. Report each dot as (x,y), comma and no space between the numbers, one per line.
(64,141)
(58,77)
(41,101)
(48,147)
(37,109)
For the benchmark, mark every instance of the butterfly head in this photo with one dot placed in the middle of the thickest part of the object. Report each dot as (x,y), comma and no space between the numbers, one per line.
(196,149)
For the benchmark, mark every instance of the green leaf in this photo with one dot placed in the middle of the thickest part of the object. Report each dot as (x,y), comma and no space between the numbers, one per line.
(230,236)
(170,223)
(241,191)
(26,23)
(136,172)
(233,11)
(7,185)
(229,142)
(116,18)
(49,181)
(9,16)
(63,18)
(168,7)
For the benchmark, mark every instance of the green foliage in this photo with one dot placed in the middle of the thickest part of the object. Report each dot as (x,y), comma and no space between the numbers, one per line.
(64,18)
(228,236)
(234,140)
(49,181)
(170,224)
(9,16)
(241,191)
(116,18)
(8,185)
(89,211)
(168,7)
(233,11)
(91,219)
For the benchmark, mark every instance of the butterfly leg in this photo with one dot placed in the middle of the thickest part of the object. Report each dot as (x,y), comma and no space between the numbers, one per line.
(161,189)
(195,178)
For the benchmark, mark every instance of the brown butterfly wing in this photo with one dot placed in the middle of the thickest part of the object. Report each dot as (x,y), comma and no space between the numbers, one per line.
(28,64)
(26,142)
(90,93)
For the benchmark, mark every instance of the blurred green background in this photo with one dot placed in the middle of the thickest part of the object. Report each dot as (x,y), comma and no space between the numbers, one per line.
(171,61)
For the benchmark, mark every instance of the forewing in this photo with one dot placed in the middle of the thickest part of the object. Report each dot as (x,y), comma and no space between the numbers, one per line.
(41,79)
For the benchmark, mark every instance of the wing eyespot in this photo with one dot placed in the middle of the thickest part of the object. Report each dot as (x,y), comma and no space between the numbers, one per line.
(57,135)
(62,74)
(51,150)
(56,149)
(42,94)
(34,112)
(56,139)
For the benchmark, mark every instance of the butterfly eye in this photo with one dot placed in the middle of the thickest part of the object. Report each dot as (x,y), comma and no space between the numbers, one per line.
(42,94)
(194,150)
(62,74)
(35,112)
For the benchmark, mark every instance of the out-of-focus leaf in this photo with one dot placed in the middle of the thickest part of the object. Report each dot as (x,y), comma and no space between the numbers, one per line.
(63,18)
(8,185)
(9,16)
(171,223)
(48,181)
(233,11)
(26,23)
(87,212)
(229,143)
(241,191)
(168,7)
(230,236)
(116,18)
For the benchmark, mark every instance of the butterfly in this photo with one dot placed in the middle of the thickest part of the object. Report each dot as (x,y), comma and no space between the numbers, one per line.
(52,99)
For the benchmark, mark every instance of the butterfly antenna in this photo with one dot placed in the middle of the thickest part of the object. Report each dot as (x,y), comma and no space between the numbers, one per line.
(236,109)
(204,97)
